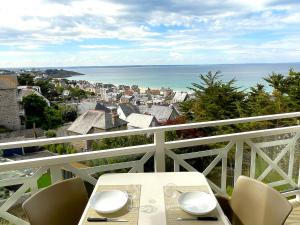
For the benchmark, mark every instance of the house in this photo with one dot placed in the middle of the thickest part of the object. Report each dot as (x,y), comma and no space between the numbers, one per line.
(124,110)
(160,112)
(86,106)
(123,87)
(153,91)
(24,91)
(126,98)
(66,93)
(94,121)
(141,121)
(180,97)
(9,107)
(166,92)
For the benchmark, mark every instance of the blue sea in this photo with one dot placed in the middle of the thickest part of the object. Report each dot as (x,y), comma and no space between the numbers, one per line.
(180,77)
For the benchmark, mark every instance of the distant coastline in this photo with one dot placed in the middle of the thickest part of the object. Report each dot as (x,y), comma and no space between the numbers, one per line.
(180,77)
(177,77)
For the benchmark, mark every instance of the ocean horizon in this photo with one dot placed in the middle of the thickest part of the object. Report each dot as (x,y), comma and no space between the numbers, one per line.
(180,77)
(177,77)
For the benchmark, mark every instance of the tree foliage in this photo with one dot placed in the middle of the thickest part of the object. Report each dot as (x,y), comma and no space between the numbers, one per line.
(215,99)
(38,113)
(26,79)
(34,107)
(53,118)
(47,88)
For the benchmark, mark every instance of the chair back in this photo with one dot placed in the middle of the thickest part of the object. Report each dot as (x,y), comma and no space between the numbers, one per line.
(59,204)
(254,202)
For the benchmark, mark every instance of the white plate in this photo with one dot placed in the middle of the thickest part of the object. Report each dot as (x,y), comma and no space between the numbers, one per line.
(197,203)
(109,201)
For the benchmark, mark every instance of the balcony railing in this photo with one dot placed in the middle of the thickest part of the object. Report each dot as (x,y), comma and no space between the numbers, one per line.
(276,148)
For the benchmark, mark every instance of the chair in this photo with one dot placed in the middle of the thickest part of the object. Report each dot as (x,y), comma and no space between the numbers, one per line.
(254,202)
(59,204)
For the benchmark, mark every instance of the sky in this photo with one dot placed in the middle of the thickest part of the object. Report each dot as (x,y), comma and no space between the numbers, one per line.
(57,33)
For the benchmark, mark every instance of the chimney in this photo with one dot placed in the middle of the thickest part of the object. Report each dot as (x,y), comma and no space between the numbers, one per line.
(149,104)
(115,116)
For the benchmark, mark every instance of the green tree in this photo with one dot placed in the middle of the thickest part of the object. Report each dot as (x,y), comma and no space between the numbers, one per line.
(47,88)
(259,102)
(214,99)
(26,79)
(34,107)
(77,93)
(278,82)
(293,91)
(53,118)
(69,113)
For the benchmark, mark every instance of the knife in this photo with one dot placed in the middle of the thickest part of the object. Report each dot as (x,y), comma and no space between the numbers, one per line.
(206,218)
(98,219)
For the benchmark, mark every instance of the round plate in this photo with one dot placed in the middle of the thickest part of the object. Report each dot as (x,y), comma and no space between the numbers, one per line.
(197,203)
(109,201)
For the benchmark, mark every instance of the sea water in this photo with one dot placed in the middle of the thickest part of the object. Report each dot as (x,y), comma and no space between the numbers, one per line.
(180,77)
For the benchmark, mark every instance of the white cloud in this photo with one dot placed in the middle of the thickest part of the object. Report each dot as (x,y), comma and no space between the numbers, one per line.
(185,31)
(99,46)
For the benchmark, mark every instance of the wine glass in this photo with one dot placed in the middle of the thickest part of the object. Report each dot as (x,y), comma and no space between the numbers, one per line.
(170,190)
(172,193)
(132,191)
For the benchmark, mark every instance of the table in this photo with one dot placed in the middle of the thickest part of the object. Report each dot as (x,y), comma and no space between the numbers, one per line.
(152,191)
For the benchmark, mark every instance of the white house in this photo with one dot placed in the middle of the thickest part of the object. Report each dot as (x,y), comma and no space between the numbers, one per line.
(180,97)
(124,110)
(136,121)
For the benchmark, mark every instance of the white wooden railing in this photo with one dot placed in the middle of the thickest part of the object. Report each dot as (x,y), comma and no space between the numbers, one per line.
(271,146)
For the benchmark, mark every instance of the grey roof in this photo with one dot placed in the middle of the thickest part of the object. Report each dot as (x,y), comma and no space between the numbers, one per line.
(180,97)
(100,106)
(176,106)
(95,119)
(161,113)
(128,108)
(85,106)
(26,92)
(141,120)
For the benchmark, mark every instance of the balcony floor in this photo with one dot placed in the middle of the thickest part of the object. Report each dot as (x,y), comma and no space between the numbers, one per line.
(294,218)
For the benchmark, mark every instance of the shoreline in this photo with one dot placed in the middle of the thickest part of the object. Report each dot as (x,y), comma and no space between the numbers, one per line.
(140,87)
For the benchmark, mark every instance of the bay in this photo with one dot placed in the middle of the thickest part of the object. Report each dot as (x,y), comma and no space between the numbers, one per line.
(180,77)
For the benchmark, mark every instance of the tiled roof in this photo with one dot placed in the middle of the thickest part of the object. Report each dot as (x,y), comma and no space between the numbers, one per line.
(180,97)
(161,113)
(128,108)
(140,120)
(95,119)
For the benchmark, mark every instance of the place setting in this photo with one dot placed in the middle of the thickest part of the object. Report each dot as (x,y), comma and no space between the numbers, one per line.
(190,205)
(114,205)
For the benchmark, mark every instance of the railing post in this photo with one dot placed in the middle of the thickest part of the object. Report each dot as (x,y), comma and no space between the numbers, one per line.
(56,174)
(238,159)
(159,157)
(298,195)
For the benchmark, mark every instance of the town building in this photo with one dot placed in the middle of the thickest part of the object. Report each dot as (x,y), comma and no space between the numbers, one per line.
(124,110)
(180,97)
(160,112)
(9,107)
(94,121)
(140,121)
(24,91)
